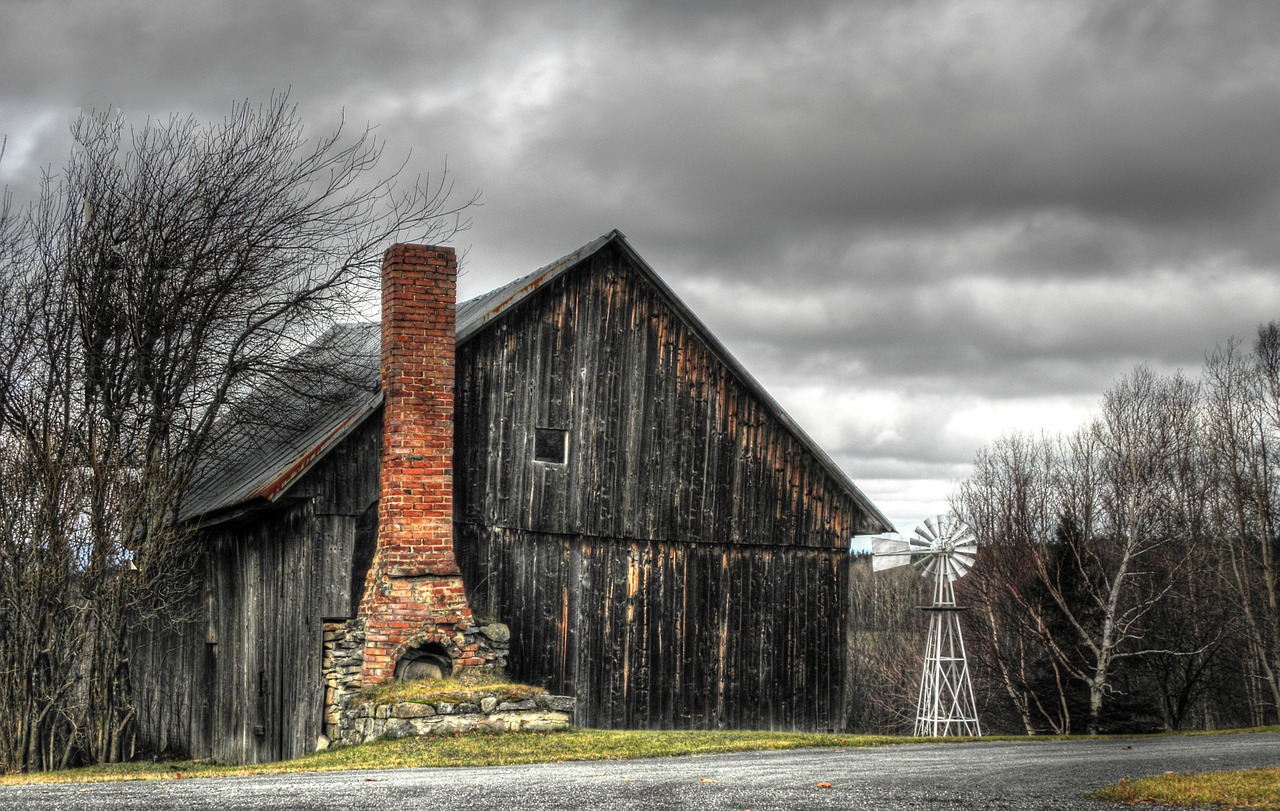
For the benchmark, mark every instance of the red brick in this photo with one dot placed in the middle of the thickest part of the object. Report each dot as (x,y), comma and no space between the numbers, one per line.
(415,539)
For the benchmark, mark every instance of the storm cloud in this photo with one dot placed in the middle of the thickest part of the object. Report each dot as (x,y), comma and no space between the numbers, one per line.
(917,223)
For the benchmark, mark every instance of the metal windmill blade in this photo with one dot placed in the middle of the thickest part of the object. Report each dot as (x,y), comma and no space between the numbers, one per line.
(889,553)
(943,545)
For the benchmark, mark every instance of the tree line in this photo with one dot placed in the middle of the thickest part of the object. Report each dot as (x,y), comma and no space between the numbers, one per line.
(159,277)
(1128,576)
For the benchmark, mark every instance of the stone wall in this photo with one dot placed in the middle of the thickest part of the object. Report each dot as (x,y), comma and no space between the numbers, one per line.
(343,669)
(490,714)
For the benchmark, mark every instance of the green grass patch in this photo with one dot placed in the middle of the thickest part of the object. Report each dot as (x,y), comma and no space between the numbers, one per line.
(477,750)
(513,748)
(469,686)
(1256,788)
(1273,728)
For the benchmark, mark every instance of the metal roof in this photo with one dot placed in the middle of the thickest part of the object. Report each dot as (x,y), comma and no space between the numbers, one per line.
(476,313)
(275,434)
(265,453)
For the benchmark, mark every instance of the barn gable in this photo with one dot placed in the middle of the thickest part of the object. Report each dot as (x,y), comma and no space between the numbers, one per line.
(666,435)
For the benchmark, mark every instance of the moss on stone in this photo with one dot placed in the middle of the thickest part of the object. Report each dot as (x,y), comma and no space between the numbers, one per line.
(468,687)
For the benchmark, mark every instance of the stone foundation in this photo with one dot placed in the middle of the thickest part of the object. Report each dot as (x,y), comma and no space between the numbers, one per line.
(490,714)
(343,668)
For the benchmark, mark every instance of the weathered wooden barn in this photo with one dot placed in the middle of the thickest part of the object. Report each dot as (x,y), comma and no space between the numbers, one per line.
(577,459)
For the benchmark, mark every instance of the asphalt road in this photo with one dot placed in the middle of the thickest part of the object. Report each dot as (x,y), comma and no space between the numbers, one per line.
(1023,775)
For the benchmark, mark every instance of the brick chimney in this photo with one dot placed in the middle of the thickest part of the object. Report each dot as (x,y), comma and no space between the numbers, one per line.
(414,594)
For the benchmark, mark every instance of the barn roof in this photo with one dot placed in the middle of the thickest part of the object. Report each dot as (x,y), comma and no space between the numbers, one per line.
(277,433)
(477,313)
(266,455)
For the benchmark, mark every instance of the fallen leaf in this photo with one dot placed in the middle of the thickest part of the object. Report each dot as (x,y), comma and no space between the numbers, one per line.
(824,785)
(705,780)
(371,780)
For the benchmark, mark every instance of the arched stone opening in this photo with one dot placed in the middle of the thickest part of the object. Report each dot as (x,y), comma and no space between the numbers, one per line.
(429,660)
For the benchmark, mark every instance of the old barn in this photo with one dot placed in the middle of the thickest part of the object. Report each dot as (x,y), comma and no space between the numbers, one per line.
(577,460)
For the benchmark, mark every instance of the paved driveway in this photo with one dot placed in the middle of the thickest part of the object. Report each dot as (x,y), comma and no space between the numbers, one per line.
(1024,775)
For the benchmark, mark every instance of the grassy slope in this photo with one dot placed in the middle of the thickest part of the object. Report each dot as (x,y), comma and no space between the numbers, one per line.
(454,690)
(1257,788)
(476,750)
(596,744)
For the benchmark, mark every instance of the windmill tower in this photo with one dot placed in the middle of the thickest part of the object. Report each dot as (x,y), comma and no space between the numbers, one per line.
(942,550)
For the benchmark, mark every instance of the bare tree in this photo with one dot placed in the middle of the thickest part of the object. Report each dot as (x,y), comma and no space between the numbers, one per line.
(885,642)
(1243,404)
(42,531)
(1085,536)
(1013,504)
(1122,511)
(177,266)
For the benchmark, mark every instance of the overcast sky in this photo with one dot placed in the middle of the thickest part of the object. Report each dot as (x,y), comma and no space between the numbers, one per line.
(918,224)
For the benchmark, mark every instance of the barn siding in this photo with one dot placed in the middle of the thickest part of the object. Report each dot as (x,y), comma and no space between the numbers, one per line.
(659,635)
(687,566)
(665,443)
(165,664)
(239,679)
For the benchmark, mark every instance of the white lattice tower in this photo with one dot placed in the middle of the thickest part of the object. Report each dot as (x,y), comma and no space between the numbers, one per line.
(946,705)
(942,549)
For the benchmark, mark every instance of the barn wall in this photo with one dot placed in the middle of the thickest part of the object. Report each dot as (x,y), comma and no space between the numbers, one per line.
(664,442)
(687,565)
(166,663)
(239,679)
(662,635)
(236,678)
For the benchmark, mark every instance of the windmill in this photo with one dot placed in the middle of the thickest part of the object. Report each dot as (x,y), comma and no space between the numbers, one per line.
(943,550)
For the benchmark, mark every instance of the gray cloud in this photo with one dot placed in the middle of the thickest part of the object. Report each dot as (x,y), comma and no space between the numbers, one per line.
(941,205)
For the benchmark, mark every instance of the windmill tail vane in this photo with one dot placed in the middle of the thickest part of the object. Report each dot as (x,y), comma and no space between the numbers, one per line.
(942,550)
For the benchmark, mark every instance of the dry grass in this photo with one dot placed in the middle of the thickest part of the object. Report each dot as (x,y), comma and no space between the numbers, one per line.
(476,750)
(587,744)
(1258,788)
(1272,728)
(470,686)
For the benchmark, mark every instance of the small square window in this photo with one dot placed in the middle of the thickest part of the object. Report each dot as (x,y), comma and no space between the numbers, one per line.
(550,445)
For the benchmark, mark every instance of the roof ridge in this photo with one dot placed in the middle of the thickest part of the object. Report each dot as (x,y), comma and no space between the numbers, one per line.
(474,313)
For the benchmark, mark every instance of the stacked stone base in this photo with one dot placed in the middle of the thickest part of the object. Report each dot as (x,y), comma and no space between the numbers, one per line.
(349,720)
(342,667)
(487,715)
